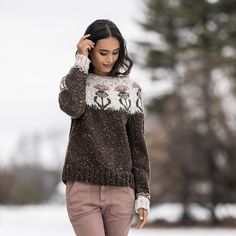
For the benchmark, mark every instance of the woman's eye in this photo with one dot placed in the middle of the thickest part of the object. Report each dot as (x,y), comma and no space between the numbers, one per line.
(103,54)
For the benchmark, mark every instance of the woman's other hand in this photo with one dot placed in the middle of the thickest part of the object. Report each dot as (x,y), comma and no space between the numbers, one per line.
(142,218)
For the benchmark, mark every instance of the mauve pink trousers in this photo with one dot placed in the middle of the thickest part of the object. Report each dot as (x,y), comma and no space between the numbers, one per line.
(98,210)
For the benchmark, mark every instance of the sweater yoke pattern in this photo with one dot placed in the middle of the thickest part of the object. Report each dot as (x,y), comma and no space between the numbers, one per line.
(120,94)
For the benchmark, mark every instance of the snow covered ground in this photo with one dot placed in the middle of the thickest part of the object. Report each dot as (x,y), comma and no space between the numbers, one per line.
(49,220)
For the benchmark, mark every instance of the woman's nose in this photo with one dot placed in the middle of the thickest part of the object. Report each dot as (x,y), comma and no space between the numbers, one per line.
(110,58)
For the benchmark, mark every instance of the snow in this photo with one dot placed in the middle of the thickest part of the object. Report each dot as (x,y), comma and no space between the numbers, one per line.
(48,220)
(172,212)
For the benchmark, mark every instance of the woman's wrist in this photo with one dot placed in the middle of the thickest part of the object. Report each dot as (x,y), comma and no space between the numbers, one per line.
(82,62)
(142,202)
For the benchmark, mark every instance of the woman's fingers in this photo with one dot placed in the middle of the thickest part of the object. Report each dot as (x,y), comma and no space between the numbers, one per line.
(86,42)
(84,45)
(84,37)
(142,218)
(83,48)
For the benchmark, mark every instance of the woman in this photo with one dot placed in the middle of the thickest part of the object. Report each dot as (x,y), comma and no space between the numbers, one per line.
(106,169)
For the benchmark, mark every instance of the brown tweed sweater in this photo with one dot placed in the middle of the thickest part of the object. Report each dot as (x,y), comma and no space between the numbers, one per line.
(106,139)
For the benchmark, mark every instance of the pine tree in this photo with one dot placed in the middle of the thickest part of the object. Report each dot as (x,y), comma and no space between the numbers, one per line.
(197,50)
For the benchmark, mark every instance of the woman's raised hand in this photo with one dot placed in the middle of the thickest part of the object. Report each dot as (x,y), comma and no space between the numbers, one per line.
(85,45)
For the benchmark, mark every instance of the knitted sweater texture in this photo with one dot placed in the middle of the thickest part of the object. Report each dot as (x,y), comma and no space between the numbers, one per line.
(106,140)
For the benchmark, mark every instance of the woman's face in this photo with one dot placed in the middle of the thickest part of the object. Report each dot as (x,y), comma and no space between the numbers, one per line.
(104,55)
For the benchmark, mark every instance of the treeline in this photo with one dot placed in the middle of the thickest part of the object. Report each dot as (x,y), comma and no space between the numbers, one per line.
(193,142)
(33,169)
(27,184)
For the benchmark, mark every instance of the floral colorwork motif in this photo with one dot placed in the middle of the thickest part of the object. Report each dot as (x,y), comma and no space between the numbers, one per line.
(102,94)
(124,96)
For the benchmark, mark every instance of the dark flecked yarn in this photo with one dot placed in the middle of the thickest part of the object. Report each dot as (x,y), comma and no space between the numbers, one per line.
(106,139)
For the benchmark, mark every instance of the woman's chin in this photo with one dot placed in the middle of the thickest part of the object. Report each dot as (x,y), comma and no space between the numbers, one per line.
(104,71)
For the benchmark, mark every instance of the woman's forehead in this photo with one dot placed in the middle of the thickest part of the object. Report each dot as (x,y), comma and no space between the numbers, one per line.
(110,43)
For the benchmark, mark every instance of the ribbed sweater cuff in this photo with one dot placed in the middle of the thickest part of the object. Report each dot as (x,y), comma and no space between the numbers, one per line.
(82,62)
(142,202)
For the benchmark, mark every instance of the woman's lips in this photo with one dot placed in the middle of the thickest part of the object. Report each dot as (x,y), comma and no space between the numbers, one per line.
(108,66)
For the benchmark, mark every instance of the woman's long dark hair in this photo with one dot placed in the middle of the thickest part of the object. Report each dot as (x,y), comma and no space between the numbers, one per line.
(101,29)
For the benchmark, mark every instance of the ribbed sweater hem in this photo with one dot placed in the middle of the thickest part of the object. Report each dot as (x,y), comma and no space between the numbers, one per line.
(97,176)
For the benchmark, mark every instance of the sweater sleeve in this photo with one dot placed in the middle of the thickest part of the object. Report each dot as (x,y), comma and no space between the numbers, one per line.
(72,96)
(139,153)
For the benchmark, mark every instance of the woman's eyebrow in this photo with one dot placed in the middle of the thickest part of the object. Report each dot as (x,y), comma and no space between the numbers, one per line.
(104,50)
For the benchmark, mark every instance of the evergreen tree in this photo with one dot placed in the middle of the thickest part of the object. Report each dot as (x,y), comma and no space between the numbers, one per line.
(197,50)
